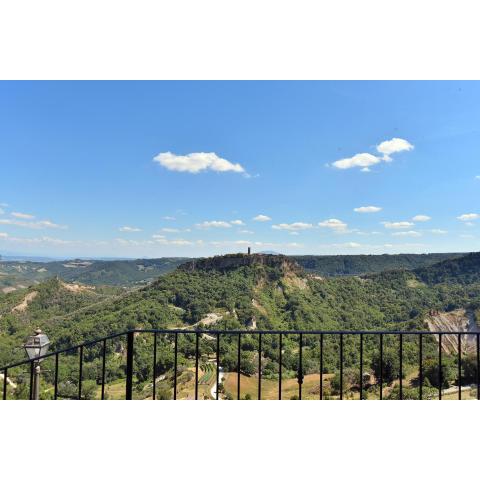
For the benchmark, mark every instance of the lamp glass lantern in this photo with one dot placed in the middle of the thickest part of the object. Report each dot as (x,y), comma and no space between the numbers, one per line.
(37,345)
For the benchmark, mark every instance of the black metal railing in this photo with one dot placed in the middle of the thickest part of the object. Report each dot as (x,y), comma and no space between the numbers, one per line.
(126,346)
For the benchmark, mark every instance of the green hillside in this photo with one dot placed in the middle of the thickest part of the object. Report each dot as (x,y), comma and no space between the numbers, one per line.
(258,291)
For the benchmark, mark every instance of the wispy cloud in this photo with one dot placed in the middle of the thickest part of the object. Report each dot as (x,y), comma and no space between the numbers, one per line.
(197,162)
(262,218)
(24,216)
(170,230)
(38,225)
(438,231)
(293,226)
(237,222)
(128,229)
(466,217)
(409,233)
(213,224)
(398,225)
(369,209)
(421,218)
(168,217)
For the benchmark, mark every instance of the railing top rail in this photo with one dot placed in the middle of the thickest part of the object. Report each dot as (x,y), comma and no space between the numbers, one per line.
(240,332)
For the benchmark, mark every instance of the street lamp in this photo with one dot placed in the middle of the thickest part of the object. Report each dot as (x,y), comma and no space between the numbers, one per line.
(37,346)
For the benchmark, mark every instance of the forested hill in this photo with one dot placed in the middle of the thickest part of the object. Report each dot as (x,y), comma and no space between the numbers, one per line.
(16,275)
(257,291)
(333,265)
(465,270)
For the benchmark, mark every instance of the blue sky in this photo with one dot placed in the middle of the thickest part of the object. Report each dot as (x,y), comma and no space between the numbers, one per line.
(148,169)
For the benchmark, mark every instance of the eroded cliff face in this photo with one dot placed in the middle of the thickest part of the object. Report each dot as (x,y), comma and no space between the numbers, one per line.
(460,320)
(225,263)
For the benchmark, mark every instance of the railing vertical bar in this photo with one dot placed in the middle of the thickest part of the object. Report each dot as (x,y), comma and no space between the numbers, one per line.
(218,365)
(280,348)
(197,339)
(239,346)
(104,363)
(440,377)
(361,366)
(55,387)
(5,383)
(300,366)
(420,367)
(129,380)
(80,373)
(400,370)
(341,366)
(175,361)
(381,367)
(478,366)
(459,366)
(31,379)
(259,366)
(154,387)
(321,366)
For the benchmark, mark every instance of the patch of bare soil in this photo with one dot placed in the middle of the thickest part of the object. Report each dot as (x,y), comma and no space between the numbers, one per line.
(75,288)
(21,307)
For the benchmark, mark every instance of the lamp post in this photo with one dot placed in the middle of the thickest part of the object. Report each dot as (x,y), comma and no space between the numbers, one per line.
(36,346)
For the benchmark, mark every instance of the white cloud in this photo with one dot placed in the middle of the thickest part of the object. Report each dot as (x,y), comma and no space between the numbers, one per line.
(3,235)
(197,162)
(293,226)
(213,224)
(421,218)
(437,231)
(468,216)
(129,229)
(394,145)
(397,225)
(248,232)
(262,218)
(167,217)
(2,211)
(410,233)
(24,216)
(366,160)
(237,222)
(352,245)
(359,160)
(170,230)
(334,224)
(469,224)
(370,209)
(43,224)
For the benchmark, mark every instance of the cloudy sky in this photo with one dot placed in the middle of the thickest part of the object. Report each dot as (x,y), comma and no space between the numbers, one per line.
(200,168)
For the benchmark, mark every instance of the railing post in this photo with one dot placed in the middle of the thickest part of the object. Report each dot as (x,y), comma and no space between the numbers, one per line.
(129,383)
